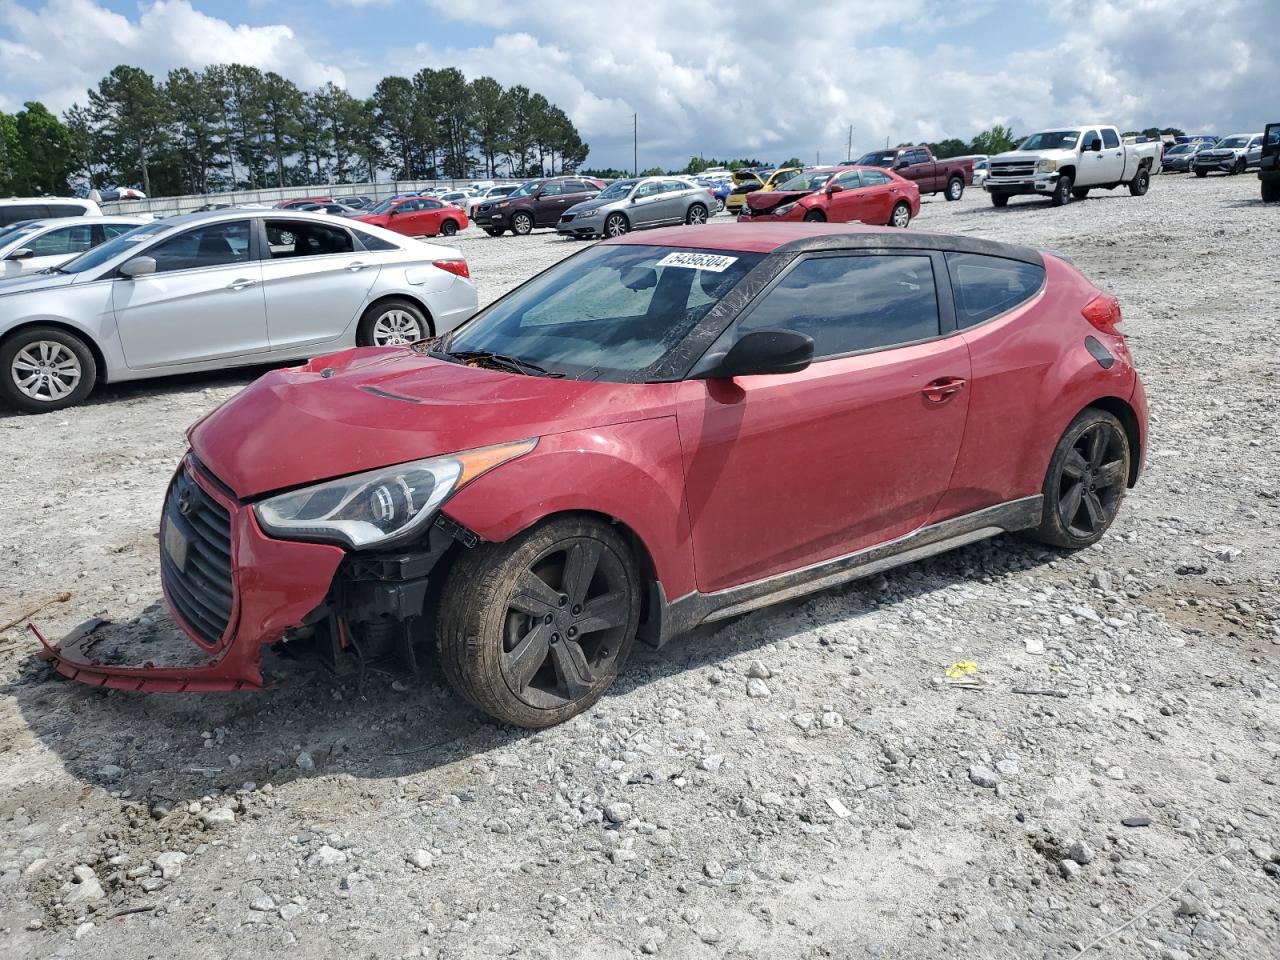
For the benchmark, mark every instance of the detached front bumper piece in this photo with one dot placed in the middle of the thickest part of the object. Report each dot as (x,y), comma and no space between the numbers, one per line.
(231,589)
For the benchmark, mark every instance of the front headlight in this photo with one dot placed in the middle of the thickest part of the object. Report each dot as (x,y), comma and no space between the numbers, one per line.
(589,213)
(379,507)
(783,210)
(1045,165)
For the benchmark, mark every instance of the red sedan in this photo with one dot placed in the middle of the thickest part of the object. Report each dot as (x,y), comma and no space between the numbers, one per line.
(838,195)
(669,428)
(417,217)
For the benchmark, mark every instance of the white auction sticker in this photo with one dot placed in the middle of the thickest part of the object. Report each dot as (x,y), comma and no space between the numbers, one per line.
(714,262)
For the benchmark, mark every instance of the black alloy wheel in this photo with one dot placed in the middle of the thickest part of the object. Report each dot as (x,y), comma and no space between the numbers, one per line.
(534,630)
(1086,481)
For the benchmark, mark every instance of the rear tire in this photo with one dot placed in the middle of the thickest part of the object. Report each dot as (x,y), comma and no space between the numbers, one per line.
(1062,191)
(521,224)
(533,631)
(1081,194)
(955,188)
(1086,481)
(1140,184)
(43,369)
(449,228)
(901,215)
(494,232)
(392,322)
(1270,191)
(999,199)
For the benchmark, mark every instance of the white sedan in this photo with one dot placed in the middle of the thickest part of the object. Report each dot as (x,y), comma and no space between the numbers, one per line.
(37,245)
(223,288)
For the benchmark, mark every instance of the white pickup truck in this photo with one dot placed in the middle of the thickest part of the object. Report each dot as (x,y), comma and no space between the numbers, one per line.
(1069,162)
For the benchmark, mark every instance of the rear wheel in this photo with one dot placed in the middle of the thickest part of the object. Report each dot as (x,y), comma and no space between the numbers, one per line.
(615,225)
(392,323)
(534,630)
(1086,481)
(955,188)
(1140,184)
(1062,192)
(697,214)
(999,199)
(1080,194)
(43,369)
(522,224)
(719,205)
(901,216)
(491,231)
(1271,191)
(815,216)
(449,228)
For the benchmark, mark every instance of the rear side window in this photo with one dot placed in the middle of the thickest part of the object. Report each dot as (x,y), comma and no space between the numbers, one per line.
(112,230)
(874,178)
(12,213)
(65,241)
(302,238)
(66,210)
(1110,138)
(987,286)
(849,304)
(370,242)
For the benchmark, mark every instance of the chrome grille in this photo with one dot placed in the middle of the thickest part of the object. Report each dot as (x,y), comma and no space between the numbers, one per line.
(197,577)
(1019,168)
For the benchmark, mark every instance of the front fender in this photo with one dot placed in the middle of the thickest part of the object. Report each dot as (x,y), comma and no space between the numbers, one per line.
(631,472)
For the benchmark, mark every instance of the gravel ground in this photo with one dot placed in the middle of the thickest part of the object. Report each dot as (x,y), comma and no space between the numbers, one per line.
(802,782)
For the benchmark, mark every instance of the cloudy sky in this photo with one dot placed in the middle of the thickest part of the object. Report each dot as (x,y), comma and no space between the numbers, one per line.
(722,78)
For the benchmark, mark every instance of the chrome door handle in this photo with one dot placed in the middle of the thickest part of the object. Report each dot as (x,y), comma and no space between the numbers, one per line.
(353,267)
(240,284)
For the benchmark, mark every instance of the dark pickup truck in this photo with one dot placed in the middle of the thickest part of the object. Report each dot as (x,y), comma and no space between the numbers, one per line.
(918,164)
(1269,166)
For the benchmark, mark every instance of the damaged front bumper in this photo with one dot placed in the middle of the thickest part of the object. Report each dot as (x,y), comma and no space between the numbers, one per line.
(233,590)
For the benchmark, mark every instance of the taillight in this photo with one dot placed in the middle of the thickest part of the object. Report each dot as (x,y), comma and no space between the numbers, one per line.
(1103,311)
(711,193)
(456,267)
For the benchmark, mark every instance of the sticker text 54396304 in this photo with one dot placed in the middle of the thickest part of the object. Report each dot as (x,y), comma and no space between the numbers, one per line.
(714,262)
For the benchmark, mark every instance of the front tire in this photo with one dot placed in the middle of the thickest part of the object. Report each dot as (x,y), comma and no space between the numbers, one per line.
(533,631)
(815,216)
(616,224)
(494,232)
(1062,191)
(999,199)
(955,188)
(391,323)
(1201,173)
(697,214)
(1239,168)
(43,369)
(1140,184)
(522,224)
(1086,481)
(1270,191)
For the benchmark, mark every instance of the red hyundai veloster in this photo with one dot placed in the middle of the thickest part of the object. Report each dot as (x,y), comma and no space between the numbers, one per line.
(664,430)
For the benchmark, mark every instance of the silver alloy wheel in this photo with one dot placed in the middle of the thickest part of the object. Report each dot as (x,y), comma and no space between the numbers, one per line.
(901,215)
(46,370)
(697,213)
(615,225)
(719,205)
(956,189)
(396,327)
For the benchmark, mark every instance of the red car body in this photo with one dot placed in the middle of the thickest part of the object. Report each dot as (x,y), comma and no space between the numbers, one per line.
(419,217)
(733,492)
(845,197)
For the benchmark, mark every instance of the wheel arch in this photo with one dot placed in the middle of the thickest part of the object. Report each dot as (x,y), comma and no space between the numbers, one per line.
(1069,170)
(1128,417)
(99,357)
(401,295)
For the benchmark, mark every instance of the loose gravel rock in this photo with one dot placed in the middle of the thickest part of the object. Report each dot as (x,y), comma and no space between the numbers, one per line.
(1160,646)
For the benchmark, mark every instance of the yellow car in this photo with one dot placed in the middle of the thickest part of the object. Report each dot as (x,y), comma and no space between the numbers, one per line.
(748,181)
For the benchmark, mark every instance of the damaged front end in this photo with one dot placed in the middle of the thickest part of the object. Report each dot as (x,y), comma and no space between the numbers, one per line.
(233,590)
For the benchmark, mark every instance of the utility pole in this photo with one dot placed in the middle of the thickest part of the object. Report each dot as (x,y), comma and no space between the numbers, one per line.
(635,144)
(849,154)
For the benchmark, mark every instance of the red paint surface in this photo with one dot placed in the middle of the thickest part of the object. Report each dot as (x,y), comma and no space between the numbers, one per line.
(415,223)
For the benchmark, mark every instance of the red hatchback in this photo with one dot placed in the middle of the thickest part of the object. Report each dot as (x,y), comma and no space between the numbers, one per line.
(417,217)
(838,195)
(666,429)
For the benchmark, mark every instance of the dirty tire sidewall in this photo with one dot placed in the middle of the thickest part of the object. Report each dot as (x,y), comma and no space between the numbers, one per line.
(1051,529)
(14,344)
(476,599)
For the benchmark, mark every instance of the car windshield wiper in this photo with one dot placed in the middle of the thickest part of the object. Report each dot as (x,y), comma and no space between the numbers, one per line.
(500,360)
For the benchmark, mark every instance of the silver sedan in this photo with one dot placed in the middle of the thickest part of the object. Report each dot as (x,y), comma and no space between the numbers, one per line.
(220,289)
(37,245)
(637,204)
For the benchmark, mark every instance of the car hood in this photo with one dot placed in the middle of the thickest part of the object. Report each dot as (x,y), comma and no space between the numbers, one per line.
(374,407)
(768,199)
(35,281)
(595,204)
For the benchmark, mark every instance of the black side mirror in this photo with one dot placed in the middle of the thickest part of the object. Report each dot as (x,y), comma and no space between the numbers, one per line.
(1095,145)
(762,352)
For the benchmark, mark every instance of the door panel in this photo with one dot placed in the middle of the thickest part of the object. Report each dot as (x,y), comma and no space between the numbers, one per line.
(789,470)
(313,295)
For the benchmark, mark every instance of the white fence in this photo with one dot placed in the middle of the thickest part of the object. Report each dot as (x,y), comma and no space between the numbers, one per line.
(170,206)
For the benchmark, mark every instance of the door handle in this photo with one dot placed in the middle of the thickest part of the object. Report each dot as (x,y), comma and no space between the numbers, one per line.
(241,284)
(355,266)
(943,389)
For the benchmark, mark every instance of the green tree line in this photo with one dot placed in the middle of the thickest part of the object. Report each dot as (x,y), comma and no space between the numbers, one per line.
(234,126)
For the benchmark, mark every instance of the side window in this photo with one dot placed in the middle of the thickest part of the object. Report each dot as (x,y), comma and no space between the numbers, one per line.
(63,242)
(918,156)
(1088,138)
(65,210)
(874,178)
(853,303)
(430,205)
(302,238)
(649,189)
(849,180)
(370,242)
(674,186)
(112,230)
(212,246)
(987,286)
(553,189)
(17,212)
(1110,138)
(409,206)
